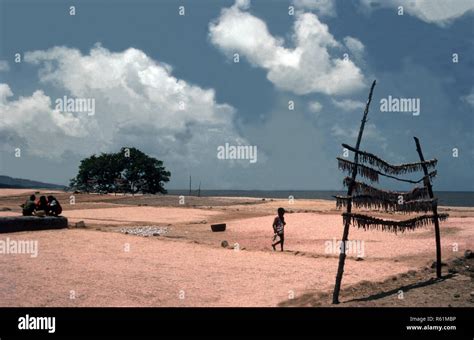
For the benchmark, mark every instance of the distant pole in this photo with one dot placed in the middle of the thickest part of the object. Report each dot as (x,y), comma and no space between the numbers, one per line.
(189,185)
(199,190)
(434,206)
(345,235)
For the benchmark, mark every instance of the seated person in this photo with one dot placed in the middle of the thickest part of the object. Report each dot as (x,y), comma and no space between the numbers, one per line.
(42,206)
(29,206)
(54,208)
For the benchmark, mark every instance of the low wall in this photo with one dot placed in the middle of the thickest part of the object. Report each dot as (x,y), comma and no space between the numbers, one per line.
(25,223)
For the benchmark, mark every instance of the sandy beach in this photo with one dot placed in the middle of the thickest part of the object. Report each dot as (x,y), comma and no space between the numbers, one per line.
(187,266)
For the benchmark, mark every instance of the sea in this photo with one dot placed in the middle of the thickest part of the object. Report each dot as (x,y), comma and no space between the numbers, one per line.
(446,198)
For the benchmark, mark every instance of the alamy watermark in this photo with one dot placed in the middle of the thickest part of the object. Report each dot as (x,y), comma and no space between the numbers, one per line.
(239,152)
(28,322)
(355,247)
(391,104)
(9,246)
(76,105)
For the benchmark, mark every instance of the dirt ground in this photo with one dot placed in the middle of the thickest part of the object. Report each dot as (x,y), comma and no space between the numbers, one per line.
(100,266)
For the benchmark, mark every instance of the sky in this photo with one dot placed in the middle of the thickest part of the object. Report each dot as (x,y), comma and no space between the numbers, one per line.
(181,79)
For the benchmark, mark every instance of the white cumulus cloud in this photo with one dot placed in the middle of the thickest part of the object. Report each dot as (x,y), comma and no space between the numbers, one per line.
(348,104)
(315,106)
(441,12)
(138,102)
(4,66)
(309,67)
(469,99)
(322,7)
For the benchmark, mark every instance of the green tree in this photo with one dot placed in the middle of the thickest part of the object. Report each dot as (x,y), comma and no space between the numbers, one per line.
(129,170)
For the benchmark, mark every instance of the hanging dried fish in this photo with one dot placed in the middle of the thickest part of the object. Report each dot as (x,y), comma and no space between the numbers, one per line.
(386,204)
(387,168)
(367,222)
(362,170)
(366,189)
(373,174)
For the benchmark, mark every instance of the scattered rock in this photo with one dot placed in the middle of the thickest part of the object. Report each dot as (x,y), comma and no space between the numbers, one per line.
(468,254)
(457,295)
(80,224)
(452,271)
(224,244)
(145,231)
(5,209)
(472,294)
(359,258)
(394,278)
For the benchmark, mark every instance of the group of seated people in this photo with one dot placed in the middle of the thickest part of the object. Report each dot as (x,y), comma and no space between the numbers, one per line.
(44,206)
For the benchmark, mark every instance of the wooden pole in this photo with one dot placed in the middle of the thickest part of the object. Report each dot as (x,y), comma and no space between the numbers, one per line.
(345,235)
(428,185)
(199,190)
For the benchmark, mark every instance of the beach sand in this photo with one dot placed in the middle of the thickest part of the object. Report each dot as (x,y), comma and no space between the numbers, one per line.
(187,266)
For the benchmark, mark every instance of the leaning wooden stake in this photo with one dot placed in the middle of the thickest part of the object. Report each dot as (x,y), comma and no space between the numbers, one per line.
(342,255)
(427,183)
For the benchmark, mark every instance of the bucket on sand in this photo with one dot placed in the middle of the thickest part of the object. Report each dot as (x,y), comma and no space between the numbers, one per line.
(218,227)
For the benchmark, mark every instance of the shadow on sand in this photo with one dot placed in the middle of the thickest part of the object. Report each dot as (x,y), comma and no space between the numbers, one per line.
(405,288)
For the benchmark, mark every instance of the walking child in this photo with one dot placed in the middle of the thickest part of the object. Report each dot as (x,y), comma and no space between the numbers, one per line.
(279,229)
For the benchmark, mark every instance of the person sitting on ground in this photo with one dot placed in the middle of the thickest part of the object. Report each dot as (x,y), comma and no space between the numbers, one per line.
(29,206)
(42,206)
(279,229)
(54,208)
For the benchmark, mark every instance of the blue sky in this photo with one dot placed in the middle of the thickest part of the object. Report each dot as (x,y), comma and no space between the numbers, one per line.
(139,59)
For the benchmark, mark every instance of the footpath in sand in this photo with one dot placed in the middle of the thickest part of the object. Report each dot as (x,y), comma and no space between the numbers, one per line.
(100,266)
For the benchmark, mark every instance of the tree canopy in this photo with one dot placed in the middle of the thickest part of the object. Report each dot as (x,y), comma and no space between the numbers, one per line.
(128,171)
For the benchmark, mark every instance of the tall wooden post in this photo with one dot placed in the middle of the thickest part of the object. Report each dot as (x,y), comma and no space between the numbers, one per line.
(345,235)
(428,185)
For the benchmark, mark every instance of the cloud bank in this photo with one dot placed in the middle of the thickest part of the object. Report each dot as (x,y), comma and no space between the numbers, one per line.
(310,67)
(440,12)
(138,102)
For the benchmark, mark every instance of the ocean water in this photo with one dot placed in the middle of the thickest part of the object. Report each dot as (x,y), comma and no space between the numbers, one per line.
(446,198)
